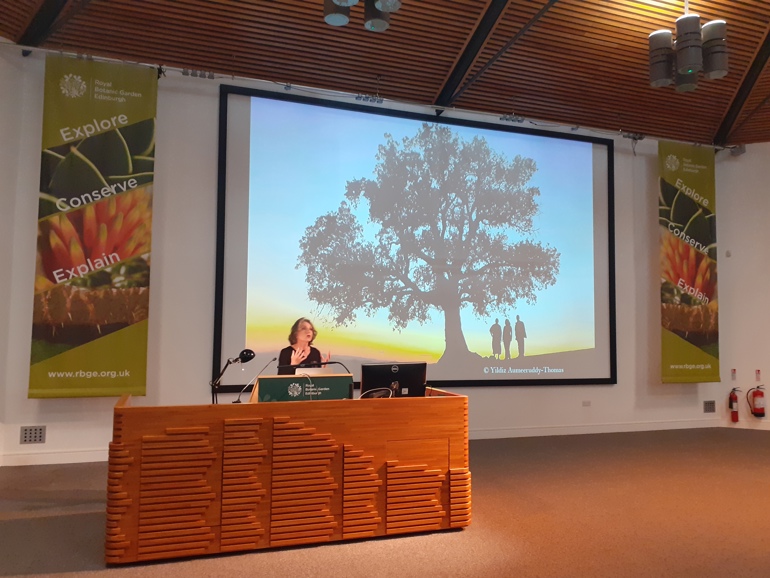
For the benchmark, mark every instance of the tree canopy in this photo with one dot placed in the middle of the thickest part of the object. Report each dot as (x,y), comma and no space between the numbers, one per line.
(453,229)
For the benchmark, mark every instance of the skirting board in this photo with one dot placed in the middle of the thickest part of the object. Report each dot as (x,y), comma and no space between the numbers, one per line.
(561,430)
(53,457)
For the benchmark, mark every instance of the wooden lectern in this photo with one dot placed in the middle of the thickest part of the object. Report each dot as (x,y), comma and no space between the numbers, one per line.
(199,480)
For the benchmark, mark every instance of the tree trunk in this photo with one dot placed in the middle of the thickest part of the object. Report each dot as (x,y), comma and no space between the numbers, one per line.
(456,347)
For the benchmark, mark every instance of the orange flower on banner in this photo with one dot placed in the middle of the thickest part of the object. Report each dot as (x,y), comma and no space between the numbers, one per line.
(687,268)
(79,242)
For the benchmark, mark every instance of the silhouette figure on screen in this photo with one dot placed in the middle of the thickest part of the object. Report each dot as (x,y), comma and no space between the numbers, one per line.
(521,335)
(496,332)
(301,350)
(507,337)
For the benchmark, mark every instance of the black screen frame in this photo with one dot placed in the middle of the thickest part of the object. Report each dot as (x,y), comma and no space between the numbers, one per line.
(227,90)
(416,371)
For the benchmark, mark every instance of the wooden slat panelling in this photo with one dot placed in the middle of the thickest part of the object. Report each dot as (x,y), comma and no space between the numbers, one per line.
(253,476)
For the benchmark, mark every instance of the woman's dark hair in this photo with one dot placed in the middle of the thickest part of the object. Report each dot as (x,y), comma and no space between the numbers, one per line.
(295,328)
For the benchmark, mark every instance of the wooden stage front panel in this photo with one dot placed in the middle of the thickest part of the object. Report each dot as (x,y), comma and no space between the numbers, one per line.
(198,480)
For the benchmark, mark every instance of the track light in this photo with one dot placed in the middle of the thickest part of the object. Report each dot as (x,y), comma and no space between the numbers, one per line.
(373,98)
(695,49)
(197,73)
(347,3)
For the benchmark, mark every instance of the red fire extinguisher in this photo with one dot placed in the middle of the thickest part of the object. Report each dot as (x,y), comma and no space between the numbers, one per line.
(733,404)
(756,398)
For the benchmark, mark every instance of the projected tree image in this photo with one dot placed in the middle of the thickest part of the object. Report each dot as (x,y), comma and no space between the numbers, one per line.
(450,228)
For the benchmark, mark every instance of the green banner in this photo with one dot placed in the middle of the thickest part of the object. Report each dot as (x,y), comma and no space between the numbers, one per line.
(688,264)
(92,279)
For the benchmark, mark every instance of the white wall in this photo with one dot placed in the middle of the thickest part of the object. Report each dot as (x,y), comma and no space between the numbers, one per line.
(182,292)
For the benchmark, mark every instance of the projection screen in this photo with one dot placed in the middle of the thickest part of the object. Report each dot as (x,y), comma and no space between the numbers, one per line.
(483,249)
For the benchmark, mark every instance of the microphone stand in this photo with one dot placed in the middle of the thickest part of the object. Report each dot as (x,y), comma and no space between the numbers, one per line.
(215,384)
(243,357)
(254,380)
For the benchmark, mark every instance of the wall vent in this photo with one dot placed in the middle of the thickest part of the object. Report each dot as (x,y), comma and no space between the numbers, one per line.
(32,434)
(710,406)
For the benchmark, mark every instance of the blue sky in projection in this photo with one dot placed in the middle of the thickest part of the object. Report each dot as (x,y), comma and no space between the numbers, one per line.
(301,159)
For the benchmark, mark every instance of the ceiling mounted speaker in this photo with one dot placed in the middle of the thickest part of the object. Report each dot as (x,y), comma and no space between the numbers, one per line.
(375,20)
(334,14)
(387,5)
(714,35)
(689,58)
(661,58)
(695,49)
(347,3)
(686,82)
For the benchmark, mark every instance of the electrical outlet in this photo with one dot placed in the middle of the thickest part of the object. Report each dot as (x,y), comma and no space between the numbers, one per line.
(32,434)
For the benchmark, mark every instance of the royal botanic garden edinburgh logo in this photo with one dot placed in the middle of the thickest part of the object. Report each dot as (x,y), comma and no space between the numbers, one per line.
(672,162)
(72,86)
(295,389)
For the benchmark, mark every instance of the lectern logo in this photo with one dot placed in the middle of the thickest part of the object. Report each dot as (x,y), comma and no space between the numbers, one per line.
(72,86)
(672,162)
(295,389)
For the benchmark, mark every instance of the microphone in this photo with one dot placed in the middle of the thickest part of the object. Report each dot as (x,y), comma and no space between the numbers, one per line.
(254,379)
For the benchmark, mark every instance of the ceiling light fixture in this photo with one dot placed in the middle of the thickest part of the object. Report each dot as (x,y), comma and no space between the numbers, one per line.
(695,49)
(374,19)
(376,13)
(336,14)
(387,5)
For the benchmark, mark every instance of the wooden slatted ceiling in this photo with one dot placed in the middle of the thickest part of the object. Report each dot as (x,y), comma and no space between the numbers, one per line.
(601,79)
(286,42)
(751,125)
(15,17)
(583,63)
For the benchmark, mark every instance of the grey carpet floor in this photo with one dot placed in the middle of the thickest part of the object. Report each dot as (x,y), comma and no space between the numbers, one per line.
(681,503)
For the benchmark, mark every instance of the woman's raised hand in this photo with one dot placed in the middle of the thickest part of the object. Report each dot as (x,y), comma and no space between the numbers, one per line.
(299,355)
